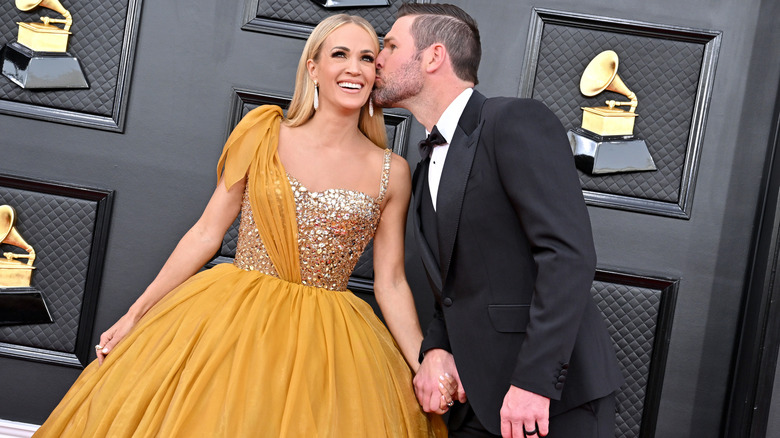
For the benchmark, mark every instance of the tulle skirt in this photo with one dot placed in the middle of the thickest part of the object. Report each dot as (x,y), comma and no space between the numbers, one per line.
(232,353)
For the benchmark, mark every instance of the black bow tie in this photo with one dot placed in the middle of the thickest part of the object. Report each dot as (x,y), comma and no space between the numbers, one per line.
(433,139)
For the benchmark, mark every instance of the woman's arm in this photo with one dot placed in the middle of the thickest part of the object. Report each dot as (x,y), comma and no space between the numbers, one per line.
(390,287)
(194,249)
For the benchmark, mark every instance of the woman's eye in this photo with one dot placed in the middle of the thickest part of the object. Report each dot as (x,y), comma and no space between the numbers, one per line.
(368,58)
(339,54)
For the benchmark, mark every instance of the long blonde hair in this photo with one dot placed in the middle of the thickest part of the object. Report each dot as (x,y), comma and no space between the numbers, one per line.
(302,104)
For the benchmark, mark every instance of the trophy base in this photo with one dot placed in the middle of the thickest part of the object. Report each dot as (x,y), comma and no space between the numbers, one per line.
(23,305)
(41,70)
(599,155)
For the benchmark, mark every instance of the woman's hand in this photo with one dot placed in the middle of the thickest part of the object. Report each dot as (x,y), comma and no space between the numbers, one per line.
(112,336)
(197,246)
(448,387)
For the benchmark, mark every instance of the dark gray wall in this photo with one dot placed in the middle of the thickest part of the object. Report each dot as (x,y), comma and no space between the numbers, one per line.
(191,54)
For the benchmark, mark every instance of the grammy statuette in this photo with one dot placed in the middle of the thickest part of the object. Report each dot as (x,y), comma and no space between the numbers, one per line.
(38,59)
(19,303)
(605,142)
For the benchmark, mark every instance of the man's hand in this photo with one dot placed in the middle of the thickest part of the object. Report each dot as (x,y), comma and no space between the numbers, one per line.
(436,367)
(524,410)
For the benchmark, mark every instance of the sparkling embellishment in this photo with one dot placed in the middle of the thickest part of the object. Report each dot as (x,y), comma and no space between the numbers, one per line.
(334,227)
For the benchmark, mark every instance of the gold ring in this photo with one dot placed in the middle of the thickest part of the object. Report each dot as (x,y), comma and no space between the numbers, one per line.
(98,347)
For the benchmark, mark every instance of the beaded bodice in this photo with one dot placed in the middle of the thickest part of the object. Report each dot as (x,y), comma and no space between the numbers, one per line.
(334,227)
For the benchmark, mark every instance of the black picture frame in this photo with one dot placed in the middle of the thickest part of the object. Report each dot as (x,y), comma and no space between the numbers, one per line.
(632,303)
(74,317)
(679,177)
(299,24)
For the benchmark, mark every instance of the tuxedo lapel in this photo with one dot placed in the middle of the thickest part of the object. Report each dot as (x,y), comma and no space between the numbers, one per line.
(429,260)
(454,177)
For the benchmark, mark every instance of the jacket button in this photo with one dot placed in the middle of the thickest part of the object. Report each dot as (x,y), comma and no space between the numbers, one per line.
(565,366)
(564,372)
(447,301)
(558,385)
(561,379)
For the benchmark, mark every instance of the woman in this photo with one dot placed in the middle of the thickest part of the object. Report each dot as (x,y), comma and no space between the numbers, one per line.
(273,344)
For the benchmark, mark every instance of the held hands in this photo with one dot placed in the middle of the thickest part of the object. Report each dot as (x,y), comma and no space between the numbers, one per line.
(437,383)
(113,335)
(524,414)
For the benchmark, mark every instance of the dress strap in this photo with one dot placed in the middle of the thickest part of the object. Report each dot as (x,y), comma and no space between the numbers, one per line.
(385,176)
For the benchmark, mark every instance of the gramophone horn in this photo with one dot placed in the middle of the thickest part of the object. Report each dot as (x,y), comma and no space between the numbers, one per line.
(7,218)
(26,5)
(8,233)
(55,5)
(601,74)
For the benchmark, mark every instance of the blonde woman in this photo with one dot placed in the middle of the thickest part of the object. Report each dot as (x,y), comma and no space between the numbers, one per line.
(274,345)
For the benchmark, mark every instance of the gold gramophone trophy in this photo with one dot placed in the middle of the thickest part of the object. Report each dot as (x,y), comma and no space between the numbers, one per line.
(14,273)
(19,303)
(605,142)
(38,59)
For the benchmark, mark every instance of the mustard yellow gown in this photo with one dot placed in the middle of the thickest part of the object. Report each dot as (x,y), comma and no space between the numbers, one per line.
(272,345)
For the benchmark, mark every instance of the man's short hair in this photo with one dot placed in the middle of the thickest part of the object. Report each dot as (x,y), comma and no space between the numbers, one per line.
(451,26)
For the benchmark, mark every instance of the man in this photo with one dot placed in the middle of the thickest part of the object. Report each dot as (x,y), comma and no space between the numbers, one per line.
(506,241)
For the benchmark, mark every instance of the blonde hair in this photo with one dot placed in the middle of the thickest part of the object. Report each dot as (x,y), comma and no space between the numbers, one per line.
(302,104)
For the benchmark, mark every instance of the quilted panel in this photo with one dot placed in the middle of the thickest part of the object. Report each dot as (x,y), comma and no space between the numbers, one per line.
(230,241)
(60,229)
(632,315)
(308,12)
(365,266)
(98,32)
(663,73)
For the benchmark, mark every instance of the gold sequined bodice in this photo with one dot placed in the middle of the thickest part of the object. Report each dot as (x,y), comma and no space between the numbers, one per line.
(334,227)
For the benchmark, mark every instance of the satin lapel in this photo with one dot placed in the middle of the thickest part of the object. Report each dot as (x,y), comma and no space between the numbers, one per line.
(454,177)
(430,262)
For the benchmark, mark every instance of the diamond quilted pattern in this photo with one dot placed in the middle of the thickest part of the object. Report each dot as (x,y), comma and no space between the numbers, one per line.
(98,31)
(60,229)
(365,266)
(307,12)
(632,315)
(663,73)
(230,240)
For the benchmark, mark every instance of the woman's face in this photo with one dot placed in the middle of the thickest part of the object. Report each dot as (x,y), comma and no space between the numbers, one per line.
(345,70)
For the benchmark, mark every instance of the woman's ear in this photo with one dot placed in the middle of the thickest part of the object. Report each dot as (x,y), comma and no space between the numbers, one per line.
(311,66)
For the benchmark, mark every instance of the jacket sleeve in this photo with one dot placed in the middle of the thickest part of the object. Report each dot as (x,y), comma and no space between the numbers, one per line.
(536,168)
(436,335)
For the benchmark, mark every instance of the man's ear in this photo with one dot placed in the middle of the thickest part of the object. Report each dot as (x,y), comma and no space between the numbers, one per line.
(434,57)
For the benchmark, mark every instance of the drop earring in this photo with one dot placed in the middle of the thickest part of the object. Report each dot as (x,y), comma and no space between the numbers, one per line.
(370,107)
(316,95)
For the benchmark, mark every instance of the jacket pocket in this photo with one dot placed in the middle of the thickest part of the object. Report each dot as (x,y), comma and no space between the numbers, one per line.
(509,318)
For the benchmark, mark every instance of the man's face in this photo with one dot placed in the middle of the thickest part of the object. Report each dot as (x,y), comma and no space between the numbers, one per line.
(399,74)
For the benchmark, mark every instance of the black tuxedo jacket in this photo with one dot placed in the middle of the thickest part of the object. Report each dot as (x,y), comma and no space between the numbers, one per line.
(515,261)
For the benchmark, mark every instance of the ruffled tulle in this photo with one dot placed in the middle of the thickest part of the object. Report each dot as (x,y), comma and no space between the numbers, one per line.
(235,353)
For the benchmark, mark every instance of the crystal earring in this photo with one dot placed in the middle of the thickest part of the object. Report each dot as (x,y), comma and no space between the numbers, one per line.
(370,107)
(316,95)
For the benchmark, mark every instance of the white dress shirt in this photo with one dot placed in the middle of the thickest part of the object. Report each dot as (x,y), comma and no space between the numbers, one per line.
(447,124)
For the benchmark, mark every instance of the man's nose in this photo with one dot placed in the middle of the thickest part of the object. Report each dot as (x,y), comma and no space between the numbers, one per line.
(380,59)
